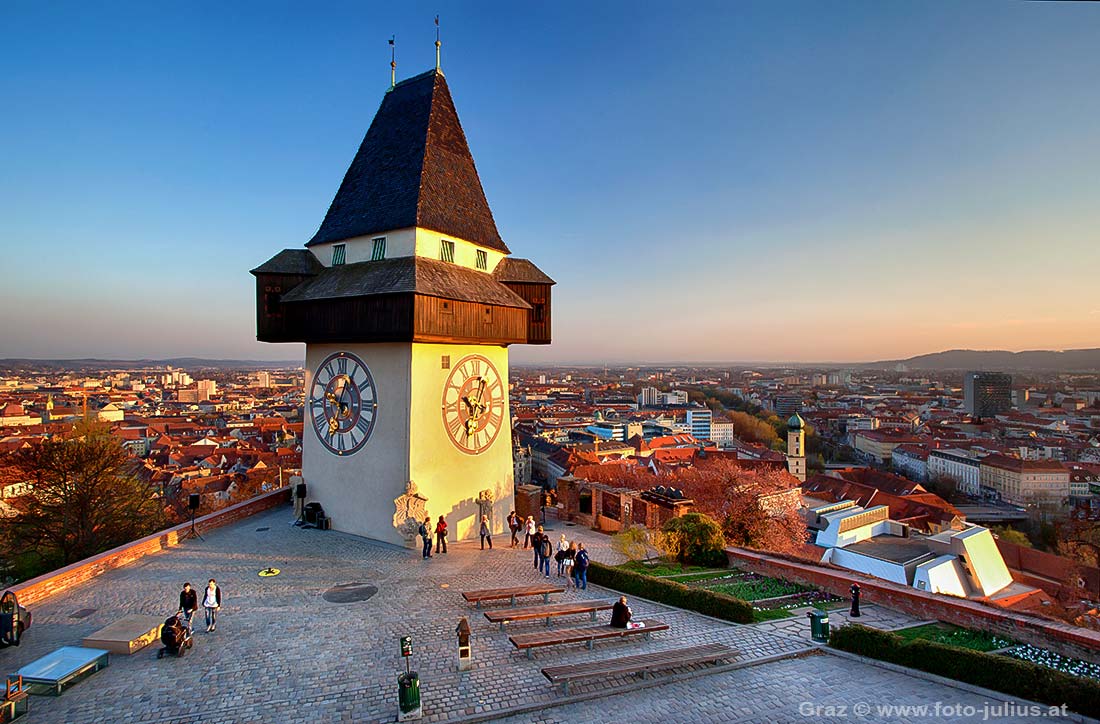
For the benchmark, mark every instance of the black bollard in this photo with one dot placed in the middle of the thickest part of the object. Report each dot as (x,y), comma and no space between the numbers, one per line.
(854,613)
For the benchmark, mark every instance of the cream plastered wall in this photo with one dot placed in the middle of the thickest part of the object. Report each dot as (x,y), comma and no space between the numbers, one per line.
(409,442)
(408,242)
(449,478)
(357,491)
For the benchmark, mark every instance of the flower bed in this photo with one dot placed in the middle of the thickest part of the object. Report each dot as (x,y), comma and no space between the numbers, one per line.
(752,587)
(797,600)
(1051,660)
(956,636)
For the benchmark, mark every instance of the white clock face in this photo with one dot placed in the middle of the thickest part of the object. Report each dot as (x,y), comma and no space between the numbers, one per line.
(342,403)
(473,404)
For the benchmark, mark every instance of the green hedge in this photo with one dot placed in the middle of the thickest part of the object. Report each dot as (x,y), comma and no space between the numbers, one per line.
(999,673)
(711,603)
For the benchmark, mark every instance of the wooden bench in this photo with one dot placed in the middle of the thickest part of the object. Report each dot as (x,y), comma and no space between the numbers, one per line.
(642,664)
(499,594)
(507,615)
(587,635)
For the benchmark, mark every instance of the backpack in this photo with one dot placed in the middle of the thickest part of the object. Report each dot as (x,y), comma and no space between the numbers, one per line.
(423,531)
(546,548)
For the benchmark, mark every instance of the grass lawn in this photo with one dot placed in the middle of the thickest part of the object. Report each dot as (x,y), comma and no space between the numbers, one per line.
(707,576)
(662,568)
(769,614)
(946,633)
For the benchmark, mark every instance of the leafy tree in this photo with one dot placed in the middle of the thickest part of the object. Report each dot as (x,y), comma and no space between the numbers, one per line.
(698,538)
(84,500)
(1011,535)
(632,543)
(751,428)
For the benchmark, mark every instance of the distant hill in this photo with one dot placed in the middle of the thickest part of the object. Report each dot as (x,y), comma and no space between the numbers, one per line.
(116,364)
(1070,360)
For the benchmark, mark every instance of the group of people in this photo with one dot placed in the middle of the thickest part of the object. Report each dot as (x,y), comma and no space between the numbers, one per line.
(211,602)
(571,557)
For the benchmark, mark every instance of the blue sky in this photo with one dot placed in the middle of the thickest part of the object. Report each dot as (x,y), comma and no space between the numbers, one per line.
(721,181)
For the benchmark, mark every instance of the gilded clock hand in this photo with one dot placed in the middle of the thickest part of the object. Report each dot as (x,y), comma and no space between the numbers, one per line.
(333,426)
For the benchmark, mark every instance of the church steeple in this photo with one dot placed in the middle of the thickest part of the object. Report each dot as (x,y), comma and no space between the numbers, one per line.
(414,168)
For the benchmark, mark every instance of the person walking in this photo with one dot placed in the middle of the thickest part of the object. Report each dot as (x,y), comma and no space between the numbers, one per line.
(441,535)
(486,533)
(425,532)
(536,545)
(546,552)
(513,525)
(529,527)
(559,557)
(580,568)
(211,602)
(189,603)
(570,559)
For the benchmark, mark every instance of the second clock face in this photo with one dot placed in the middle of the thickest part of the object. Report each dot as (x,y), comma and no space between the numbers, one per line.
(473,404)
(342,403)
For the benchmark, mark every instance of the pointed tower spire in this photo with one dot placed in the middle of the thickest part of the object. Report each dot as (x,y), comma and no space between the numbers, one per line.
(393,61)
(437,45)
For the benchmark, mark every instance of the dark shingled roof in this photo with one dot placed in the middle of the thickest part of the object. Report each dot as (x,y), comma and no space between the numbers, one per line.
(511,269)
(291,261)
(413,169)
(405,275)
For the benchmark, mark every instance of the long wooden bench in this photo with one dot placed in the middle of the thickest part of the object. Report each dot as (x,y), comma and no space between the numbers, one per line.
(507,615)
(642,664)
(587,635)
(499,594)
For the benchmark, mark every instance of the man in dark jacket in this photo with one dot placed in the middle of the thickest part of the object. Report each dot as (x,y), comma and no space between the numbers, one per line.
(189,603)
(536,545)
(620,614)
(580,568)
(426,534)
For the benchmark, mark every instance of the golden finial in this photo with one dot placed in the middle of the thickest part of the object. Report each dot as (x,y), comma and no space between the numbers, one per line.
(393,62)
(437,44)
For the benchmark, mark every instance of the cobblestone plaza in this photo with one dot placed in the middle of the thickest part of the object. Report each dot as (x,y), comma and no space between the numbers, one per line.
(282,653)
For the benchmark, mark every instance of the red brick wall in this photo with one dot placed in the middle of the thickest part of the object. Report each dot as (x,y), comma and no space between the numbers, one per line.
(1062,637)
(38,589)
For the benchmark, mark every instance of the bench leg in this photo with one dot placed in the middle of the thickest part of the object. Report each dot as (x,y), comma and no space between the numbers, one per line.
(512,601)
(529,654)
(589,644)
(478,604)
(546,598)
(565,688)
(548,622)
(502,626)
(646,635)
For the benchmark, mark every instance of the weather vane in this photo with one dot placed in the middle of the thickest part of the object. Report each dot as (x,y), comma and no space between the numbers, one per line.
(437,43)
(393,62)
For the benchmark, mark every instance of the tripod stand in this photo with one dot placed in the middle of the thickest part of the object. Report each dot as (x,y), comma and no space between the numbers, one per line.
(192,533)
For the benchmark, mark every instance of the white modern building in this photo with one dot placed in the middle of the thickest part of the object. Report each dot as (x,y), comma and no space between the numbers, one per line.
(698,422)
(962,466)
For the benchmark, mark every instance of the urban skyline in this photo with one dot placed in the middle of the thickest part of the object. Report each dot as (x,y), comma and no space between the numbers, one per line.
(842,183)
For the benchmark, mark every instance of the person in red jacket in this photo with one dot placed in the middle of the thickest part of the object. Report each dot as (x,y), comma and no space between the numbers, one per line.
(441,535)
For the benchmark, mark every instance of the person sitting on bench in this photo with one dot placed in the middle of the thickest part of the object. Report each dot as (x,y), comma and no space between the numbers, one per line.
(620,614)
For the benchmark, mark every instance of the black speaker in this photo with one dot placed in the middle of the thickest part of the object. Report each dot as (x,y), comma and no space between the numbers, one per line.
(300,491)
(193,501)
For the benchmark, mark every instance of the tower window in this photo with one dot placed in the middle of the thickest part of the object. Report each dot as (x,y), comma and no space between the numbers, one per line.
(339,253)
(538,312)
(488,315)
(379,250)
(447,250)
(482,260)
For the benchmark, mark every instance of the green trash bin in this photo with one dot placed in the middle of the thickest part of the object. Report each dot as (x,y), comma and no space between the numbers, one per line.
(408,692)
(819,625)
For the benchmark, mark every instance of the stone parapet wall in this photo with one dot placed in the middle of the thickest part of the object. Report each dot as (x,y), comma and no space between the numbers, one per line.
(1047,633)
(42,587)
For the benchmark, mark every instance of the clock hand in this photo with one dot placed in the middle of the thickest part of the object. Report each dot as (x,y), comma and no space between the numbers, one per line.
(333,426)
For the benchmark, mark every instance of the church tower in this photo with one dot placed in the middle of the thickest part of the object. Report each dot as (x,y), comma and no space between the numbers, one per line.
(407,299)
(796,446)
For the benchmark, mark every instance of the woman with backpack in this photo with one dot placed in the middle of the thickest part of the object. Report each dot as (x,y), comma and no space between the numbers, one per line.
(563,546)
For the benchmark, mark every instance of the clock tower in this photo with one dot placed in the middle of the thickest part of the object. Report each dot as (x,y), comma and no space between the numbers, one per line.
(407,299)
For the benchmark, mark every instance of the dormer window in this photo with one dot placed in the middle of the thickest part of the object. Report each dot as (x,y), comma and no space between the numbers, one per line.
(339,254)
(379,251)
(482,260)
(447,250)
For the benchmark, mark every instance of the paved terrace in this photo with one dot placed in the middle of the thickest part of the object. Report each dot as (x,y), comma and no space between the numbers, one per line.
(283,654)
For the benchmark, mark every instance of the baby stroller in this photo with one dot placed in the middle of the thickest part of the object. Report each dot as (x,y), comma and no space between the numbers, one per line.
(175,634)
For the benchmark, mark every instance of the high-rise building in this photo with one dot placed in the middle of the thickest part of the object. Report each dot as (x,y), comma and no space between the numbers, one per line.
(698,421)
(407,299)
(986,394)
